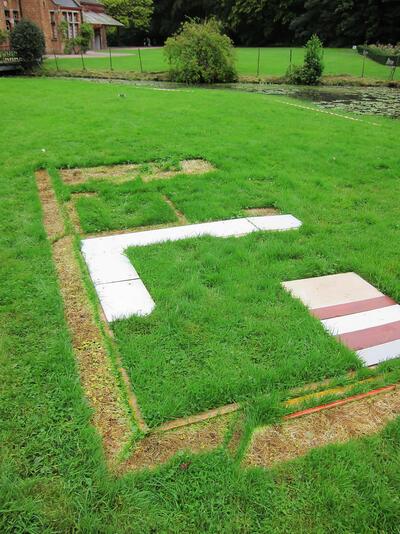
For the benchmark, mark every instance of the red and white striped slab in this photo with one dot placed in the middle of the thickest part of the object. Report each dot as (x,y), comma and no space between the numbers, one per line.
(355,312)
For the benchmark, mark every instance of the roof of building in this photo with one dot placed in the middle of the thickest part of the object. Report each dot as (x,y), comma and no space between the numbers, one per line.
(99,18)
(91,2)
(67,3)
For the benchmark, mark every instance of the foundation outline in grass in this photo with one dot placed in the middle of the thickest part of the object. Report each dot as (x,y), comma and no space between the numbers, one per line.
(169,429)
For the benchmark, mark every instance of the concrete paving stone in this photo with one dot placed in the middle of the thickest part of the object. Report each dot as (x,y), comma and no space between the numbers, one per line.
(380,353)
(359,315)
(331,290)
(120,300)
(109,266)
(369,337)
(275,222)
(360,321)
(329,312)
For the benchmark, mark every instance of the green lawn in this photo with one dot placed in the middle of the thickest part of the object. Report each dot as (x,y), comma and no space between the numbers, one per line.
(339,177)
(273,62)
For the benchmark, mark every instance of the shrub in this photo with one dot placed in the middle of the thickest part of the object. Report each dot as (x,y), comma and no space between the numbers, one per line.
(86,34)
(200,53)
(3,36)
(383,54)
(311,71)
(27,41)
(79,44)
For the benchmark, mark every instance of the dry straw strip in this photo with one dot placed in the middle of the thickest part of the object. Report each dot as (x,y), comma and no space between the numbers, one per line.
(280,443)
(123,173)
(159,447)
(97,378)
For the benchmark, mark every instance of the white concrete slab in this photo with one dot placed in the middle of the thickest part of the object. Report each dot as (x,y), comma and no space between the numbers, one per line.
(331,290)
(380,353)
(121,300)
(275,222)
(109,266)
(362,320)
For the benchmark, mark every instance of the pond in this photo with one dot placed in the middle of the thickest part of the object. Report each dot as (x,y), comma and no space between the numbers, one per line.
(360,100)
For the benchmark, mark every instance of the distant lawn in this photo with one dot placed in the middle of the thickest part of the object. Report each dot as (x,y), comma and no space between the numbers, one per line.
(273,62)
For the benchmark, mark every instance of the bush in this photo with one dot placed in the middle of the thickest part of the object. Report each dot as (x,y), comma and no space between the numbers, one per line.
(86,34)
(311,71)
(383,54)
(27,41)
(200,53)
(3,36)
(79,44)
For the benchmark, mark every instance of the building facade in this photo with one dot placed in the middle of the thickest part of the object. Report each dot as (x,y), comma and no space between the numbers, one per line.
(48,14)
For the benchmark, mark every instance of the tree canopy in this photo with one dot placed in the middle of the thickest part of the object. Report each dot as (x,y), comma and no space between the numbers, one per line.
(284,22)
(132,13)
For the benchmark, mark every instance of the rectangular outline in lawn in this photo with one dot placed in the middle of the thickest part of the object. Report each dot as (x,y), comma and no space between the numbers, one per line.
(121,292)
(355,312)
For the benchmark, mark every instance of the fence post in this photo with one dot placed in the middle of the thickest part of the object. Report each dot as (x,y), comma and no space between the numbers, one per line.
(393,69)
(55,58)
(290,60)
(140,60)
(258,62)
(111,66)
(83,63)
(365,53)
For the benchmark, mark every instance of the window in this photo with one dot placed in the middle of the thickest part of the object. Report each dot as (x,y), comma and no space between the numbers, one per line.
(53,24)
(9,24)
(71,17)
(12,18)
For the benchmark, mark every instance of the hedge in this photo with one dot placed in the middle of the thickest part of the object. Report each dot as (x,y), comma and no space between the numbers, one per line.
(379,56)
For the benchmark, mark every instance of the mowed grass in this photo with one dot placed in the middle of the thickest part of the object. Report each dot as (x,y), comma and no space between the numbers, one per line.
(273,62)
(223,329)
(53,475)
(120,208)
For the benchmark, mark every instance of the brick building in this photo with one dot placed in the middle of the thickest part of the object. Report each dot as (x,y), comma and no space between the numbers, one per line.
(48,14)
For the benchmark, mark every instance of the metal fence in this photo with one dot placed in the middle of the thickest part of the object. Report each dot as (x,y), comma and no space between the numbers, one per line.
(257,62)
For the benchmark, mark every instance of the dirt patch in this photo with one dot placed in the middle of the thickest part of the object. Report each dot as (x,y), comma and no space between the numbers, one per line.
(159,447)
(97,378)
(110,416)
(237,435)
(198,418)
(112,173)
(179,214)
(52,219)
(280,443)
(257,212)
(124,173)
(72,211)
(187,166)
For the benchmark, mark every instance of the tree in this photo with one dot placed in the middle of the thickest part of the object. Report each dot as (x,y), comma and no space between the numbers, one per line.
(170,14)
(132,13)
(27,41)
(200,53)
(263,22)
(255,22)
(311,71)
